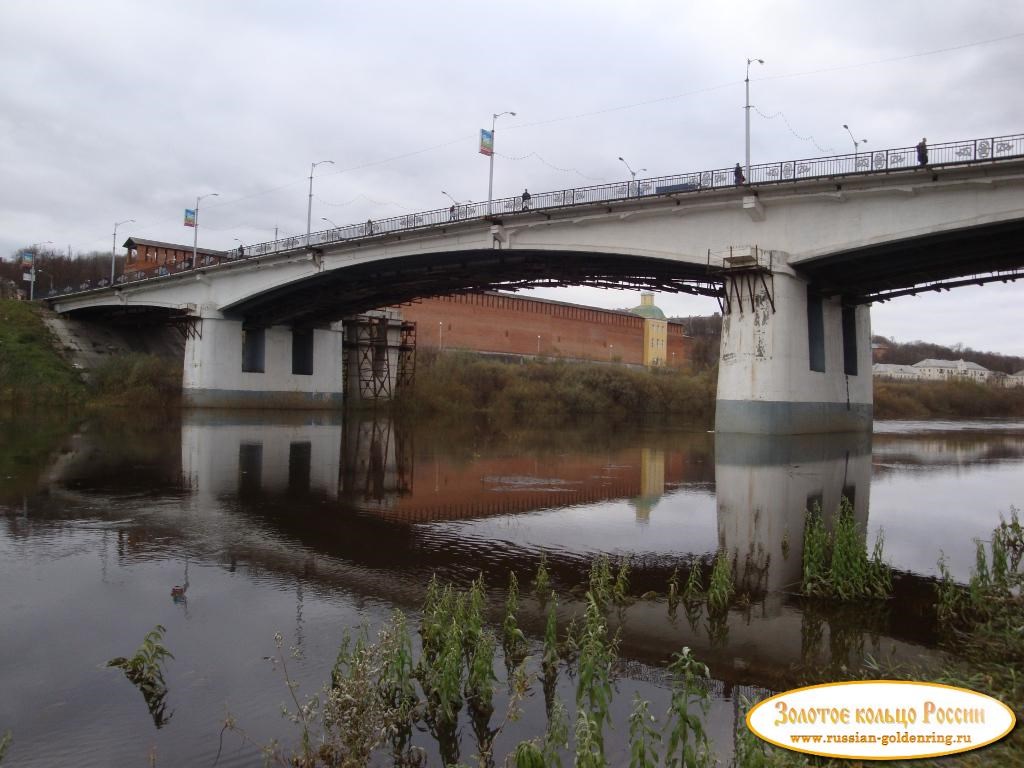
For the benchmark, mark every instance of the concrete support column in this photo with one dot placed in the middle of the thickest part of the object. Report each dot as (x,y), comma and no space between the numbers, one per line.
(215,376)
(791,362)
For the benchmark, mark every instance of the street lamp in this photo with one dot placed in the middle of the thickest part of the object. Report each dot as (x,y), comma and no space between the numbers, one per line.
(195,228)
(32,274)
(113,246)
(49,276)
(440,335)
(856,143)
(309,209)
(490,178)
(330,221)
(633,173)
(538,345)
(747,108)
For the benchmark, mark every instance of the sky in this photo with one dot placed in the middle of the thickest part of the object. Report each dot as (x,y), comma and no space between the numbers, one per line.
(125,109)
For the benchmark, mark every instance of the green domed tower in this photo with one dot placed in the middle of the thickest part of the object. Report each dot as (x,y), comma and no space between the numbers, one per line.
(655,330)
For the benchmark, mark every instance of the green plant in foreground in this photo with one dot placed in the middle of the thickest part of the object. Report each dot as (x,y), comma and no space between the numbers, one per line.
(838,566)
(528,755)
(513,641)
(595,677)
(542,581)
(589,749)
(5,742)
(620,589)
(643,737)
(673,591)
(601,582)
(145,671)
(688,742)
(694,589)
(720,590)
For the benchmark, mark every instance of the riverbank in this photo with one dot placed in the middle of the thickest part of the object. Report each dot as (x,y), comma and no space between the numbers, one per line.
(959,399)
(460,383)
(32,369)
(35,370)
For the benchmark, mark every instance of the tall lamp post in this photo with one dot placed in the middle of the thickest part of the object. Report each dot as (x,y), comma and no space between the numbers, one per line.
(32,282)
(856,143)
(633,173)
(747,109)
(309,209)
(49,276)
(490,178)
(113,246)
(331,222)
(195,229)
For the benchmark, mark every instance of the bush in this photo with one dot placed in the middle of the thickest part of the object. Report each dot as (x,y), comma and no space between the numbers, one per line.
(461,383)
(136,380)
(945,399)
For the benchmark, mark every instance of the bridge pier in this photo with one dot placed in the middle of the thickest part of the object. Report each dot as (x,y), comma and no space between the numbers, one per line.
(231,366)
(792,361)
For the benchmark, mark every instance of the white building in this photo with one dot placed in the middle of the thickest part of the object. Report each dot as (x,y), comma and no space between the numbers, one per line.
(895,372)
(942,370)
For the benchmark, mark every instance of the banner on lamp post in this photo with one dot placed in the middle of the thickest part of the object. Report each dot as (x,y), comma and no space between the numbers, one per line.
(27,257)
(486,142)
(190,217)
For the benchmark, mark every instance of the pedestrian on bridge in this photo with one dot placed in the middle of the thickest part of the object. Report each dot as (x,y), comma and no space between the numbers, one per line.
(526,199)
(737,175)
(922,152)
(369,226)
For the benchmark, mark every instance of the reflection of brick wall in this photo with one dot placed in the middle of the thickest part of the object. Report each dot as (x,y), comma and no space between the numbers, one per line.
(515,325)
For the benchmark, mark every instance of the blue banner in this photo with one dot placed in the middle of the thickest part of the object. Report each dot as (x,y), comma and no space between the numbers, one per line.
(486,142)
(190,217)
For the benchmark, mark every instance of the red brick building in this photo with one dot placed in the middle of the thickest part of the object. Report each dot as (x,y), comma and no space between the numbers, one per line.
(150,257)
(501,323)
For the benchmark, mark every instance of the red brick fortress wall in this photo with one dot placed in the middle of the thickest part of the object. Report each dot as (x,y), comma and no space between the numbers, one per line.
(514,325)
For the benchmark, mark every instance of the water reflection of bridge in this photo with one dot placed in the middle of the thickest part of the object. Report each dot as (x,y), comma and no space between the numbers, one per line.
(326,506)
(370,465)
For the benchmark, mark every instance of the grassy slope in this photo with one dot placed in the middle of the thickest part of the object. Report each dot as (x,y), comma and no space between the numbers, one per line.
(31,368)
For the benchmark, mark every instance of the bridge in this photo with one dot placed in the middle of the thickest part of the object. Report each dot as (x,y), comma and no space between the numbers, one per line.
(795,257)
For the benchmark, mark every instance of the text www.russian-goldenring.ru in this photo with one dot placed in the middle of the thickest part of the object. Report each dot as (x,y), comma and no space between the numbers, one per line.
(905,737)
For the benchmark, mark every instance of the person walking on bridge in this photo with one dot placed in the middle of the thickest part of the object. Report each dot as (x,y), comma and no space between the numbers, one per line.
(737,175)
(922,152)
(526,199)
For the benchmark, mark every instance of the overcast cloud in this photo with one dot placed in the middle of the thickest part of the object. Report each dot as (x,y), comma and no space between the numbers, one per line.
(118,109)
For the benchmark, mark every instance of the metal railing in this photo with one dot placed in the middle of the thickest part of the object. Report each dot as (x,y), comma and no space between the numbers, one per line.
(882,161)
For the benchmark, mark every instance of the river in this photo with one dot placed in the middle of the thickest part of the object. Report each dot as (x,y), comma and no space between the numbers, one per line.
(226,528)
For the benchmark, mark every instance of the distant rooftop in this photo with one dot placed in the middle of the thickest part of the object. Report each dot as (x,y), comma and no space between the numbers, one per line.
(132,242)
(894,368)
(958,364)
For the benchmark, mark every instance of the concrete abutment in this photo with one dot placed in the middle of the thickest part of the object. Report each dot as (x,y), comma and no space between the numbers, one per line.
(230,366)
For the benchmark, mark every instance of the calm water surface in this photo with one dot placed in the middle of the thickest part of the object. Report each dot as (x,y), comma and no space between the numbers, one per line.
(313,524)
